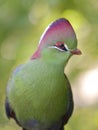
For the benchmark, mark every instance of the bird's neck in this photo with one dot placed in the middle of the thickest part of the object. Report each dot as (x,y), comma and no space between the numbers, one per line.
(49,56)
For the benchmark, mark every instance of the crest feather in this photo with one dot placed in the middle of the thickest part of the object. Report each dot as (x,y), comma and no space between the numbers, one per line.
(59,30)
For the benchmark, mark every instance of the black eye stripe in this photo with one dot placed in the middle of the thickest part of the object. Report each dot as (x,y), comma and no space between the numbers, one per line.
(62,45)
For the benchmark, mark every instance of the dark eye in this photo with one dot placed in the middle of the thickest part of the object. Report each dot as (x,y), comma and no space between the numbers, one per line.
(61,46)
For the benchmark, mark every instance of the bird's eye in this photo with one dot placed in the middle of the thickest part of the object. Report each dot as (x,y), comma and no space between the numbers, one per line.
(61,46)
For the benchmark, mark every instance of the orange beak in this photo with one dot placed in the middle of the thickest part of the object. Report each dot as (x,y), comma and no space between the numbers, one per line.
(76,52)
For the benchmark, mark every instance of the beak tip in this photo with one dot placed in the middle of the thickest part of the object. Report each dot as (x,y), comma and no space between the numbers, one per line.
(76,52)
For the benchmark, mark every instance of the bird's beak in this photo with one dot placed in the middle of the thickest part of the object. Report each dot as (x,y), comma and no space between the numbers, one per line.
(76,52)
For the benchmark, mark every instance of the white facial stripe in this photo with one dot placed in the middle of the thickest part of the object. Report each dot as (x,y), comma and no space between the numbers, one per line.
(66,46)
(56,48)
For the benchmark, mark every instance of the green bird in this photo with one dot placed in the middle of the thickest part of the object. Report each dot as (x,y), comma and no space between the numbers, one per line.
(39,95)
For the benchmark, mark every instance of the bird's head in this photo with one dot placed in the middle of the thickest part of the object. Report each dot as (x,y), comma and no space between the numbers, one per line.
(57,42)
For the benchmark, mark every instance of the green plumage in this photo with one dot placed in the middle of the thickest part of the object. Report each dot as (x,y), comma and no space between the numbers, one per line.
(39,90)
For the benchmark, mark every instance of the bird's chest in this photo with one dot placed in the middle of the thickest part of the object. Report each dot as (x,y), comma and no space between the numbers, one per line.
(42,91)
(45,85)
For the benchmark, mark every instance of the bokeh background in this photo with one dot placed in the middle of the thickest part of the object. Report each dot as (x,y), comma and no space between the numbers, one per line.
(21,25)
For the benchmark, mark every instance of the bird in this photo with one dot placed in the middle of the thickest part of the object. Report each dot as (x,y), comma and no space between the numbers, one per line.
(39,94)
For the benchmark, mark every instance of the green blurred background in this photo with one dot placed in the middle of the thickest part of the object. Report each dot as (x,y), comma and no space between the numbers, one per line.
(21,25)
